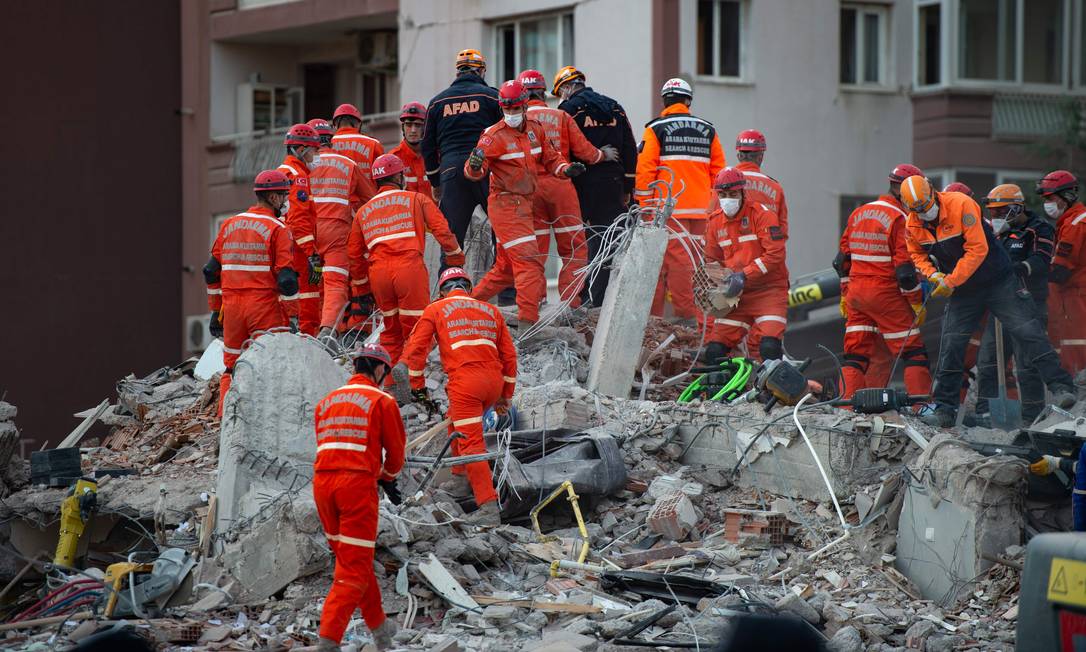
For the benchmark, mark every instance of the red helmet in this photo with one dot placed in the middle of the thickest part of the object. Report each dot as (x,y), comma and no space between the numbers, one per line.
(321,126)
(750,140)
(413,111)
(532,80)
(1056,182)
(729,178)
(958,186)
(903,172)
(302,135)
(512,94)
(271,180)
(348,110)
(386,165)
(373,352)
(451,274)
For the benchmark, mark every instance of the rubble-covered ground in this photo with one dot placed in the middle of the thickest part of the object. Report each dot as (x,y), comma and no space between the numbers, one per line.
(684,536)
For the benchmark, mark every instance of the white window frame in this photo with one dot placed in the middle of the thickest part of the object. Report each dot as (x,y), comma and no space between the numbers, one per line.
(246,106)
(216,223)
(497,48)
(1002,175)
(886,49)
(1077,42)
(744,40)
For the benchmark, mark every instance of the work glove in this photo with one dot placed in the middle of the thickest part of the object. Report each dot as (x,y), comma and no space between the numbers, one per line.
(316,269)
(435,192)
(610,153)
(476,158)
(1058,274)
(921,313)
(941,289)
(574,169)
(733,287)
(1021,268)
(391,491)
(215,326)
(842,306)
(502,406)
(365,305)
(455,260)
(293,322)
(1046,465)
(420,395)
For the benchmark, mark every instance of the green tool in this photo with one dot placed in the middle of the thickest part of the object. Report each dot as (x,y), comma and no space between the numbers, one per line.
(724,383)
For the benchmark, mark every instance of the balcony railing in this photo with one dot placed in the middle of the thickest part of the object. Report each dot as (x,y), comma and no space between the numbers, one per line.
(1026,115)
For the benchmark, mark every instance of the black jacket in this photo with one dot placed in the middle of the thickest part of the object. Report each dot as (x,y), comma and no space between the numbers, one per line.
(456,118)
(1032,244)
(603,122)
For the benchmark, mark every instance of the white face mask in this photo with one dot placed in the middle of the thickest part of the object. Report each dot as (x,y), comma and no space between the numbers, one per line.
(730,205)
(514,119)
(1052,209)
(284,207)
(931,214)
(999,225)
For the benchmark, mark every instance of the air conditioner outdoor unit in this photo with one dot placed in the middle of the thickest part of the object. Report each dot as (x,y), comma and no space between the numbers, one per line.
(377,50)
(197,333)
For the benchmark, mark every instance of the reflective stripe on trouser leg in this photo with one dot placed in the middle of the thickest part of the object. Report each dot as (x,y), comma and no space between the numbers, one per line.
(511,219)
(472,390)
(677,273)
(556,209)
(347,505)
(332,245)
(401,288)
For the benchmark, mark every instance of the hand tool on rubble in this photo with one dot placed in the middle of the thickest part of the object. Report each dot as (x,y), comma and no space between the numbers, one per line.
(782,382)
(75,511)
(435,466)
(874,400)
(1006,413)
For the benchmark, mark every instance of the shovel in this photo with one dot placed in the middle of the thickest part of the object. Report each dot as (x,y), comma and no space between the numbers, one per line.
(1006,413)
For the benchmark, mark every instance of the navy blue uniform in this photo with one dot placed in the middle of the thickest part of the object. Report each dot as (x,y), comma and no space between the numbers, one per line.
(454,121)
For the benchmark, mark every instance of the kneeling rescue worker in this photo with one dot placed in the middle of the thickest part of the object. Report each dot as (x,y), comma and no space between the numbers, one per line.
(478,355)
(746,237)
(360,444)
(250,271)
(956,250)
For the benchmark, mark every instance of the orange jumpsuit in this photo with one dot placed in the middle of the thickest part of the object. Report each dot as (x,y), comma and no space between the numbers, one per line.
(752,242)
(355,424)
(478,355)
(415,176)
(512,158)
(765,190)
(1067,300)
(878,306)
(556,206)
(251,249)
(302,221)
(690,147)
(361,149)
(386,245)
(338,189)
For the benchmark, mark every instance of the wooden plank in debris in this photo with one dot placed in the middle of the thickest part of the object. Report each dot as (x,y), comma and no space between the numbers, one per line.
(425,437)
(208,525)
(73,438)
(538,605)
(637,558)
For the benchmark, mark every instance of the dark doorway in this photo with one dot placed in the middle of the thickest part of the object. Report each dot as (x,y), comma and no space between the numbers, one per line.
(320,90)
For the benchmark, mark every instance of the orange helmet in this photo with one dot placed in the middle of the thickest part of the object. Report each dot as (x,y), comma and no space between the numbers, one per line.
(567,74)
(1005,195)
(916,194)
(470,59)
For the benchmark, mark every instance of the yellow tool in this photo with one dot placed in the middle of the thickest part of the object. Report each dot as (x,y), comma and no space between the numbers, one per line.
(75,511)
(567,488)
(115,579)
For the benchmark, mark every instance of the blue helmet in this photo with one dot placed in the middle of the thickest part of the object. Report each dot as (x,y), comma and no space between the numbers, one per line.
(493,422)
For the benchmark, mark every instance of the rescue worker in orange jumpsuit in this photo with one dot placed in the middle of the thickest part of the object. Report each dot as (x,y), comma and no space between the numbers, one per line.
(689,146)
(555,206)
(412,126)
(882,299)
(360,444)
(337,188)
(478,355)
(388,238)
(1067,276)
(957,251)
(302,143)
(250,271)
(746,237)
(511,152)
(750,150)
(352,143)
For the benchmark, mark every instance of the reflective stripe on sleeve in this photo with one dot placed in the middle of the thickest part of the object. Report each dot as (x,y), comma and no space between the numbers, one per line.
(335,270)
(305,239)
(761,265)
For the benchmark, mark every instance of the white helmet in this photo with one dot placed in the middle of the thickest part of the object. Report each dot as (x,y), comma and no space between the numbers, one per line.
(676,86)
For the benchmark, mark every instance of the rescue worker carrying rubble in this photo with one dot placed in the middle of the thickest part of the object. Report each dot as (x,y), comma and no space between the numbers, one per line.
(555,206)
(511,152)
(455,119)
(1028,241)
(956,250)
(338,188)
(478,355)
(689,146)
(604,190)
(746,237)
(1067,277)
(881,297)
(750,150)
(352,143)
(249,271)
(386,245)
(302,143)
(412,124)
(360,444)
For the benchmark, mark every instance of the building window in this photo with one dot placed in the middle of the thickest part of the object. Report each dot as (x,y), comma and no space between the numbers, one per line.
(721,37)
(929,45)
(264,108)
(374,93)
(986,39)
(543,43)
(864,44)
(1043,47)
